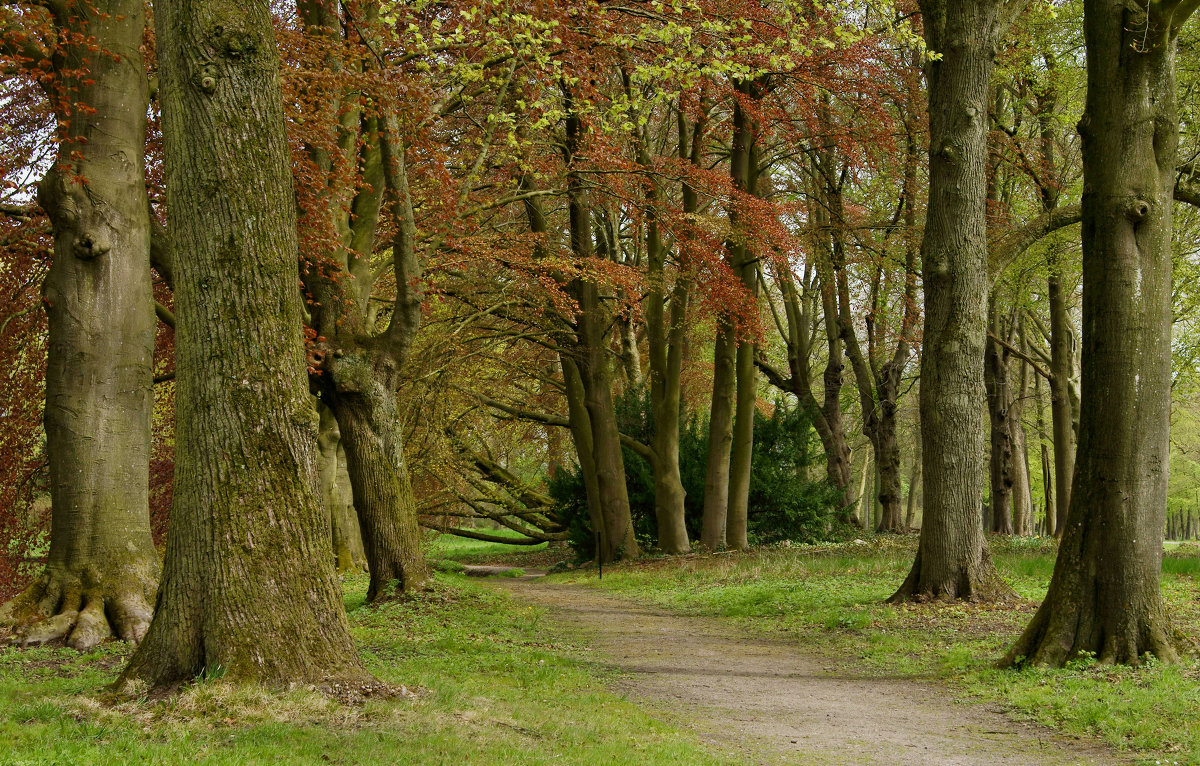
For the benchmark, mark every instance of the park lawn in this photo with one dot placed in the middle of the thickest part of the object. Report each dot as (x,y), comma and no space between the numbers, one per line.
(829,599)
(492,683)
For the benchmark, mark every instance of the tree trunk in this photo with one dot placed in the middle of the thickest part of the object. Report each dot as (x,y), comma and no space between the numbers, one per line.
(891,488)
(248,590)
(591,356)
(348,553)
(910,515)
(1001,463)
(720,441)
(1022,500)
(743,169)
(348,549)
(864,500)
(619,540)
(953,561)
(363,398)
(800,311)
(581,435)
(1062,416)
(1105,595)
(742,447)
(666,329)
(102,569)
(1048,478)
(665,374)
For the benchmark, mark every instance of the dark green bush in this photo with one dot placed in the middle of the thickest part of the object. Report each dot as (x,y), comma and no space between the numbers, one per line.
(784,503)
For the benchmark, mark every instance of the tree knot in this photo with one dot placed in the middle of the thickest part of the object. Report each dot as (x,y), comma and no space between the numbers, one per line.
(1137,210)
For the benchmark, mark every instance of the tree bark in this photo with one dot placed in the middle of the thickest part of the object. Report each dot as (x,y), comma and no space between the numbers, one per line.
(720,440)
(591,356)
(368,417)
(1062,372)
(581,435)
(1022,500)
(359,364)
(799,332)
(665,330)
(248,590)
(910,515)
(1104,596)
(102,569)
(1048,478)
(348,549)
(953,561)
(744,162)
(334,479)
(998,401)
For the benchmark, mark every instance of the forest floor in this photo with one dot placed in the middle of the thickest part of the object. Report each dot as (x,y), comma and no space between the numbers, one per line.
(774,701)
(784,654)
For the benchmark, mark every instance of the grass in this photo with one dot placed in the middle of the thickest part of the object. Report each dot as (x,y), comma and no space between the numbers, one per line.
(830,600)
(492,685)
(449,550)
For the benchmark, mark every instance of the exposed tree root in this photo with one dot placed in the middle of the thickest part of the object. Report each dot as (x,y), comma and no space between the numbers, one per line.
(77,608)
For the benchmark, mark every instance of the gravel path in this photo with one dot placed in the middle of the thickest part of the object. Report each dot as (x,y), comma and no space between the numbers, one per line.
(770,702)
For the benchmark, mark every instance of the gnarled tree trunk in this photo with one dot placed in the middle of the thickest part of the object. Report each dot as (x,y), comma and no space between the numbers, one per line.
(363,399)
(103,569)
(248,589)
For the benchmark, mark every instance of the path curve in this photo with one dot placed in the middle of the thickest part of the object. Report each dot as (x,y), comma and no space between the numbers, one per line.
(772,703)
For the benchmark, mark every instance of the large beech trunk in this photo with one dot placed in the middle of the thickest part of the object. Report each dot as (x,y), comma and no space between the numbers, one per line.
(248,590)
(953,561)
(743,168)
(666,330)
(1104,596)
(102,569)
(581,435)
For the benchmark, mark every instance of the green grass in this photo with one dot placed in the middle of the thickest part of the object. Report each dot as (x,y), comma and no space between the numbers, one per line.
(493,685)
(830,599)
(455,548)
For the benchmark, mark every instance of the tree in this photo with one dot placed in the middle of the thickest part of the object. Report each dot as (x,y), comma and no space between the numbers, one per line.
(357,364)
(248,589)
(102,568)
(1104,596)
(952,559)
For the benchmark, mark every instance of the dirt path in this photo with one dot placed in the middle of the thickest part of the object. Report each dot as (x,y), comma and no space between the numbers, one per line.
(771,703)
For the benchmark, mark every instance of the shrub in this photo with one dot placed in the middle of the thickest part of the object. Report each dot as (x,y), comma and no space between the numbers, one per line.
(785,504)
